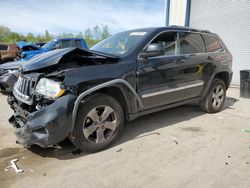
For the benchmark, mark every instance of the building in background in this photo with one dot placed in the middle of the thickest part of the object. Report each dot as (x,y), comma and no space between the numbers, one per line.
(230,19)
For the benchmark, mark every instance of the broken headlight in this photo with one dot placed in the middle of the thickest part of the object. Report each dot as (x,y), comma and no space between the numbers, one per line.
(49,88)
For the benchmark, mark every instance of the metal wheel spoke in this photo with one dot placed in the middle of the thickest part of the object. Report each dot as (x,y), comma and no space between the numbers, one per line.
(213,95)
(106,113)
(89,130)
(219,102)
(217,89)
(214,103)
(221,93)
(93,115)
(100,136)
(110,125)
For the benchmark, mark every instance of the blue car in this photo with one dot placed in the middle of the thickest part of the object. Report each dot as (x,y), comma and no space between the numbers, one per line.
(55,44)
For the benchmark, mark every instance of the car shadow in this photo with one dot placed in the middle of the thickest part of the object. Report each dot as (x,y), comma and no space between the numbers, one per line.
(141,127)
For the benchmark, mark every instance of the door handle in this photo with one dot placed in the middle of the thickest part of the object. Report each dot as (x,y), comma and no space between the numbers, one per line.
(180,61)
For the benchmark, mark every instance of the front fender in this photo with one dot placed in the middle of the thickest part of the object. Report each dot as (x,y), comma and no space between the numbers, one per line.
(99,87)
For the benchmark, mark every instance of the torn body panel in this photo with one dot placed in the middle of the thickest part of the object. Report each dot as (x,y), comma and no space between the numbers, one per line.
(46,126)
(44,122)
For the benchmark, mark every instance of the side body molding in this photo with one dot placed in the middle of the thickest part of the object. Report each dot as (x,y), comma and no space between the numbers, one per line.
(96,88)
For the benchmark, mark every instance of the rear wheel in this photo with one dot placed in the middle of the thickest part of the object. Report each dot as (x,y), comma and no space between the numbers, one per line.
(215,98)
(99,122)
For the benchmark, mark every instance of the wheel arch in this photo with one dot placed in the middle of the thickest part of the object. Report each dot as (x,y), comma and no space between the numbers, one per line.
(120,89)
(223,75)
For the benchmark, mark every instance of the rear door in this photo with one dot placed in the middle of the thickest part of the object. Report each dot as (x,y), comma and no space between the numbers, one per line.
(196,63)
(161,79)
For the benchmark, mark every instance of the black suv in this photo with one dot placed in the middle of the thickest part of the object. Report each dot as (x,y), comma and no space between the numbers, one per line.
(87,95)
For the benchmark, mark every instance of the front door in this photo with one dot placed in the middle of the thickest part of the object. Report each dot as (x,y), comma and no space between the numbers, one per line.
(161,79)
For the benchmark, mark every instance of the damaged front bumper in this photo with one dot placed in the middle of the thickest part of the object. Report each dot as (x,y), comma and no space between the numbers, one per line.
(44,127)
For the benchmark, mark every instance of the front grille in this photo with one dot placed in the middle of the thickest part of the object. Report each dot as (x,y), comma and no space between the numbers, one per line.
(24,88)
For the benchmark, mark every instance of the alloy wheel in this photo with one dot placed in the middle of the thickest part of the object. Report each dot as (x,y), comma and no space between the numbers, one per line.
(100,124)
(218,96)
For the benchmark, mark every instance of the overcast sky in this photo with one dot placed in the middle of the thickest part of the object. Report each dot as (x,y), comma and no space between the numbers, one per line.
(58,16)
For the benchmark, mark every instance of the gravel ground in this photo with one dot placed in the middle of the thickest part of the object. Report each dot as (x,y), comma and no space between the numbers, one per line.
(180,147)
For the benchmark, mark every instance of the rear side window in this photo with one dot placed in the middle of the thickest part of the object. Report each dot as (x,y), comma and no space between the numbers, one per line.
(78,44)
(65,44)
(169,42)
(3,47)
(212,44)
(191,43)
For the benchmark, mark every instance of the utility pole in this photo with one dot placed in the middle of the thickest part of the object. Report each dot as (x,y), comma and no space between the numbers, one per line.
(166,12)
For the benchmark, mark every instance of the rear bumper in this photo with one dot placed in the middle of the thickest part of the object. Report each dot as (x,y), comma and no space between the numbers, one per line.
(47,126)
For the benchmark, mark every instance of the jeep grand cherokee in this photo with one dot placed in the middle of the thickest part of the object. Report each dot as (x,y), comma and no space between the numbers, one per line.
(87,95)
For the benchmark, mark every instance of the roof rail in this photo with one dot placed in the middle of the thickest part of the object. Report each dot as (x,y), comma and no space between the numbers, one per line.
(205,31)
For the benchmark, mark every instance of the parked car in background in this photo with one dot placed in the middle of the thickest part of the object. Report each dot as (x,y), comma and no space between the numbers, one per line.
(29,47)
(87,95)
(9,52)
(55,44)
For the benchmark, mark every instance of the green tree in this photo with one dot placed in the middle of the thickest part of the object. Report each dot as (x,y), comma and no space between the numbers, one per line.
(48,37)
(105,32)
(79,35)
(30,37)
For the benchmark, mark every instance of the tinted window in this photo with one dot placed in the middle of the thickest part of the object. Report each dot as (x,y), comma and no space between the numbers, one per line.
(169,42)
(3,47)
(65,44)
(191,43)
(212,44)
(78,44)
(121,43)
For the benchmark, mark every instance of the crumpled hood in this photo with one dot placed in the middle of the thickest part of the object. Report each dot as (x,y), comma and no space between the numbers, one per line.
(53,57)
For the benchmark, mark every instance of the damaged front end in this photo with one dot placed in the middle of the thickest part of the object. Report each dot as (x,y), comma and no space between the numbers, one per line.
(37,119)
(42,102)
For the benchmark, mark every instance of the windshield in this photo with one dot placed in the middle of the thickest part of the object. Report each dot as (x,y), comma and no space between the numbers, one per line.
(49,44)
(120,43)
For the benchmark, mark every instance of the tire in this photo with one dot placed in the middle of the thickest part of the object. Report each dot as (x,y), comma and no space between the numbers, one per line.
(215,98)
(99,123)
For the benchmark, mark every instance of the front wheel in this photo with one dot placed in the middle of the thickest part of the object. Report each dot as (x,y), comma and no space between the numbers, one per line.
(99,122)
(215,98)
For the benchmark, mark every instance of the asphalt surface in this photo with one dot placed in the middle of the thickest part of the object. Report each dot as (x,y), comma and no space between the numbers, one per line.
(180,147)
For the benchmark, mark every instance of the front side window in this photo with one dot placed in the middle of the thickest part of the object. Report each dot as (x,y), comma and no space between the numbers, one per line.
(191,43)
(169,42)
(212,44)
(50,44)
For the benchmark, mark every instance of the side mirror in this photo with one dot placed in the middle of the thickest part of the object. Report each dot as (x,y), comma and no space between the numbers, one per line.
(57,46)
(152,50)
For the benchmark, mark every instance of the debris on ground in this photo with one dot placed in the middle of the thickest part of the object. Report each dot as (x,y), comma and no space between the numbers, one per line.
(14,166)
(175,140)
(119,150)
(155,133)
(226,163)
(76,152)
